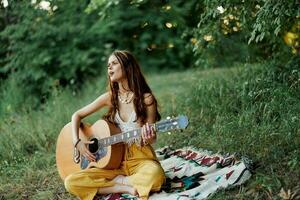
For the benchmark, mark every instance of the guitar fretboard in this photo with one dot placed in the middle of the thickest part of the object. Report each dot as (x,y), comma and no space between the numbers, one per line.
(121,137)
(161,126)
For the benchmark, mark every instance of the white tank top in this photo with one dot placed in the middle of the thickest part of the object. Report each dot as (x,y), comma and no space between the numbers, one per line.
(128,126)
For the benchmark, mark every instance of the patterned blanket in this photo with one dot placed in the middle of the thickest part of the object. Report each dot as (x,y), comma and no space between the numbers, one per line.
(195,174)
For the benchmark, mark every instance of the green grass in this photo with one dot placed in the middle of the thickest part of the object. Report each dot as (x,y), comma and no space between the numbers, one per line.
(236,110)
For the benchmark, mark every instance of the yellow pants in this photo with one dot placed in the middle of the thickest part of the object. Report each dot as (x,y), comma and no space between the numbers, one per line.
(140,165)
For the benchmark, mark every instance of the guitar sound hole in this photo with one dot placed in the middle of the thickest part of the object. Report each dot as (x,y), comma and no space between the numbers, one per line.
(94,146)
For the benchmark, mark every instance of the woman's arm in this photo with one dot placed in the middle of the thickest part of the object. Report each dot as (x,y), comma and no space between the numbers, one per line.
(101,101)
(148,133)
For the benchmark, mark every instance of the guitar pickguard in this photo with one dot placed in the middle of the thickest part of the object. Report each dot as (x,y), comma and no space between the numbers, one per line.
(99,155)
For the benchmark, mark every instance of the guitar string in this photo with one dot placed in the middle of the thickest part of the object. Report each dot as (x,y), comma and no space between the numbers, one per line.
(135,139)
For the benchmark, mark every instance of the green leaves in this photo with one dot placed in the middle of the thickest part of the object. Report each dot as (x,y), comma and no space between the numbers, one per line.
(72,41)
(261,23)
(45,47)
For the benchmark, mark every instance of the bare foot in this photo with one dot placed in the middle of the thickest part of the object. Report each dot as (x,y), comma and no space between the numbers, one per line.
(120,179)
(128,189)
(118,188)
(123,185)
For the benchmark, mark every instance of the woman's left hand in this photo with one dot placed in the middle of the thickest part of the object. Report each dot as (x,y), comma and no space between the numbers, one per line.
(148,134)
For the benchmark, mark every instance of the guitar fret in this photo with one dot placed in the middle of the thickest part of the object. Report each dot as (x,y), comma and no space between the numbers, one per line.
(160,126)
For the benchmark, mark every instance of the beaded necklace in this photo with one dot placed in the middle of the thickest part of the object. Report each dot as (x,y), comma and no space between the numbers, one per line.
(127,99)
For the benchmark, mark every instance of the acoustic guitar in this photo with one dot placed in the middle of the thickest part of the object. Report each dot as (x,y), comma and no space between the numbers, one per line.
(108,145)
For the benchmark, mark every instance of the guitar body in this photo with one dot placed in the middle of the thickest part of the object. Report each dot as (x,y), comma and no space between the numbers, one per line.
(109,157)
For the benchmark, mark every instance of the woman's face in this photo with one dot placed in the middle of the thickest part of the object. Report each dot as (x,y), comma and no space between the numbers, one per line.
(114,69)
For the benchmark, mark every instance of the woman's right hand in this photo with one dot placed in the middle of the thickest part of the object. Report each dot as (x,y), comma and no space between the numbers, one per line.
(82,148)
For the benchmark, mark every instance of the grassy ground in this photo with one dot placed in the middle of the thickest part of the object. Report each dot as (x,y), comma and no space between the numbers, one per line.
(230,110)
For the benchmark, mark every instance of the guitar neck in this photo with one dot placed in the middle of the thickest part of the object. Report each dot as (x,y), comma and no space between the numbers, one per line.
(121,137)
(161,126)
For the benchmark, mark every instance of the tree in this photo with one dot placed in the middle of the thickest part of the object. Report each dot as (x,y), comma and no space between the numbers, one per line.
(254,29)
(50,45)
(59,43)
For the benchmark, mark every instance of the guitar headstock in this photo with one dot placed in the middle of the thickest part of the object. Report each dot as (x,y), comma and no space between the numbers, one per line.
(172,123)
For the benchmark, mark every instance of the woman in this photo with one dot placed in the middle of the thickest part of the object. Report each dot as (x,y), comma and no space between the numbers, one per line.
(131,105)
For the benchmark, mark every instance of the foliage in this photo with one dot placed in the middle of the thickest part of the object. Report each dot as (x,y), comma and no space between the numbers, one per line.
(63,45)
(150,29)
(50,47)
(243,31)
